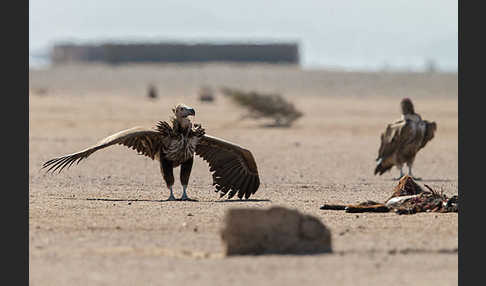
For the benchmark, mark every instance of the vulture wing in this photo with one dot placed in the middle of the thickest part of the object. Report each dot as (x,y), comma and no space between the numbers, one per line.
(395,137)
(430,128)
(233,166)
(146,141)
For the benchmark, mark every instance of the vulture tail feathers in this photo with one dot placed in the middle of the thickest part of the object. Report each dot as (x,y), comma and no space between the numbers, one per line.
(381,167)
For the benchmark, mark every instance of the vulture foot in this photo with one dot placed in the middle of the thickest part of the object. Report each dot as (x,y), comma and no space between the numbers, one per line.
(171,198)
(186,198)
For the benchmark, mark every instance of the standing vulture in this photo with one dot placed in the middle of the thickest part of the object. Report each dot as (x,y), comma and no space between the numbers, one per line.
(234,168)
(403,139)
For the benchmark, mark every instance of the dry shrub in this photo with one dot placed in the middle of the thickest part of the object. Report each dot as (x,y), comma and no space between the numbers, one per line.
(260,105)
(152,92)
(206,94)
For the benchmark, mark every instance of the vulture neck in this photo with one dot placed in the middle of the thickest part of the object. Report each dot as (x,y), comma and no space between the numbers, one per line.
(181,125)
(411,116)
(407,108)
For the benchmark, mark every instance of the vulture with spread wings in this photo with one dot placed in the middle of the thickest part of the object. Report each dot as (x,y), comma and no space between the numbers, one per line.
(403,139)
(233,167)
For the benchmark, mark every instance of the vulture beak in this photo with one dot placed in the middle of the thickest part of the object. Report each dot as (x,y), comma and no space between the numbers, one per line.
(191,111)
(183,111)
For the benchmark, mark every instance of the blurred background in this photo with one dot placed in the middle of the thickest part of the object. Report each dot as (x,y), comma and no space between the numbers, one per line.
(348,35)
(329,74)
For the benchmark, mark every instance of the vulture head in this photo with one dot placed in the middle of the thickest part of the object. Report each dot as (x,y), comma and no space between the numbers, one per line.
(181,112)
(407,106)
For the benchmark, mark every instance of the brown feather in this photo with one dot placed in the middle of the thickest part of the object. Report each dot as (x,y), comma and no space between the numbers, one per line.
(233,166)
(145,141)
(401,141)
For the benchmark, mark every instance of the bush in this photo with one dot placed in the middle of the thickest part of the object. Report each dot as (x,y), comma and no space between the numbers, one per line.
(265,106)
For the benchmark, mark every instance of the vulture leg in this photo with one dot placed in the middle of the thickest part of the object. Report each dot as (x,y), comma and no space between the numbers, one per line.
(186,168)
(401,173)
(167,172)
(410,172)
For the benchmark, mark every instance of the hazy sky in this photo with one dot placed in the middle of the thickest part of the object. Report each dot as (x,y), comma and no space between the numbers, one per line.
(353,34)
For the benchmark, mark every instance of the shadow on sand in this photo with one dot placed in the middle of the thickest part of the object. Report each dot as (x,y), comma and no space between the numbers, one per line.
(128,200)
(421,180)
(437,180)
(163,201)
(139,200)
(242,200)
(274,125)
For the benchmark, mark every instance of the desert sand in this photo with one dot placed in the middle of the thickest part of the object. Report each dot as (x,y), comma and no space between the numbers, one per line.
(105,221)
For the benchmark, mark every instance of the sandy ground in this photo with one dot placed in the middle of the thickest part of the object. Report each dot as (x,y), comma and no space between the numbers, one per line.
(104,222)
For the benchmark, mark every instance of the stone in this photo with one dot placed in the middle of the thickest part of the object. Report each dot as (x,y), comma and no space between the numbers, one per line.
(278,230)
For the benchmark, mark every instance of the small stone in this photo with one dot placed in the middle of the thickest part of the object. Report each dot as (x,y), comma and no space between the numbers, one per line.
(344,232)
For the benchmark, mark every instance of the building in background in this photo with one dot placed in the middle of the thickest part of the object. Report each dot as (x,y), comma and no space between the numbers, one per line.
(114,53)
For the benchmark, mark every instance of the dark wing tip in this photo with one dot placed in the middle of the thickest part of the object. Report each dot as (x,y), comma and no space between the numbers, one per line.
(376,171)
(234,168)
(62,162)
